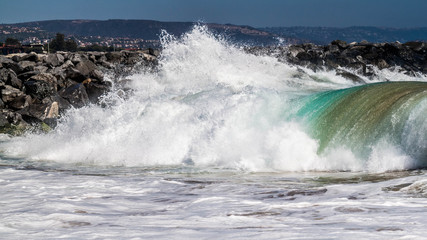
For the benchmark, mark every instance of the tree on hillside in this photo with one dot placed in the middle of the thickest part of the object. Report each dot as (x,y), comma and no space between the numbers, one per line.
(59,44)
(70,45)
(12,42)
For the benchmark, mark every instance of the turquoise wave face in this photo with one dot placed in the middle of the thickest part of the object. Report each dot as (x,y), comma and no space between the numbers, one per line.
(358,118)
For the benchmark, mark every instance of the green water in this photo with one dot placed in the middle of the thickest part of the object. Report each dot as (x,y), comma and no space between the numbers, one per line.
(359,117)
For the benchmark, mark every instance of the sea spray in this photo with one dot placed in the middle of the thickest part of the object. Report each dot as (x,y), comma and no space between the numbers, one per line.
(211,105)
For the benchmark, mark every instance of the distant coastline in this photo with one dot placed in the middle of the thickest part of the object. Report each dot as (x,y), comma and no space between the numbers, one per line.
(146,33)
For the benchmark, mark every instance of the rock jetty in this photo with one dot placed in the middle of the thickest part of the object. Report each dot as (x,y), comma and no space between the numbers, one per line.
(352,60)
(36,88)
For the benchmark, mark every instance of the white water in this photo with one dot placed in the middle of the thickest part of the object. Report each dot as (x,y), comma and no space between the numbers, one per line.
(200,149)
(211,105)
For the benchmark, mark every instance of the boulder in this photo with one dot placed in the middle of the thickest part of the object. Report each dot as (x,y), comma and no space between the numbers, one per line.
(95,90)
(17,57)
(341,44)
(52,111)
(45,77)
(26,75)
(33,57)
(39,89)
(33,113)
(27,66)
(14,66)
(20,102)
(381,64)
(67,64)
(153,52)
(415,45)
(7,76)
(54,60)
(114,57)
(37,113)
(41,68)
(83,70)
(351,76)
(9,93)
(333,48)
(295,50)
(3,120)
(76,95)
(13,117)
(75,58)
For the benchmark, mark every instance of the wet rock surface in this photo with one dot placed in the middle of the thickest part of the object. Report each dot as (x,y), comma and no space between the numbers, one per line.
(37,88)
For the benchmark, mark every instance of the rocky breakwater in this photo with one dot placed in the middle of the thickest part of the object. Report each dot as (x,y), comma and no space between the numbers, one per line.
(355,61)
(37,88)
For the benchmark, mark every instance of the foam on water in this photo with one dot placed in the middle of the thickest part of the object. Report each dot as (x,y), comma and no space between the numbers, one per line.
(212,105)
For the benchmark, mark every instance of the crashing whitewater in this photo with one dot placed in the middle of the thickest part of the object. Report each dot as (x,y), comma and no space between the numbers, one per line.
(212,105)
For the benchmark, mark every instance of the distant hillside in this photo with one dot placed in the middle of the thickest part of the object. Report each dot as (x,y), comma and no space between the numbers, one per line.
(93,31)
(324,35)
(140,29)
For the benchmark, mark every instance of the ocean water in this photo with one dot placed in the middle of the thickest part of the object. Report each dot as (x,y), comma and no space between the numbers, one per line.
(218,143)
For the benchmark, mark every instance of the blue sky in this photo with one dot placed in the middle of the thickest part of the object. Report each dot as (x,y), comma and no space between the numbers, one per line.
(262,13)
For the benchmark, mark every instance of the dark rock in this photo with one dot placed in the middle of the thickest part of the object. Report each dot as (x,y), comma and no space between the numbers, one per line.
(415,46)
(153,52)
(381,63)
(62,103)
(36,88)
(354,51)
(51,122)
(97,74)
(17,57)
(295,50)
(85,69)
(20,102)
(45,77)
(60,72)
(114,57)
(41,68)
(3,120)
(67,64)
(131,58)
(8,76)
(39,89)
(13,117)
(26,75)
(106,64)
(350,76)
(304,56)
(27,66)
(74,74)
(4,60)
(333,49)
(9,93)
(34,113)
(95,90)
(54,59)
(75,58)
(76,95)
(16,67)
(340,43)
(33,57)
